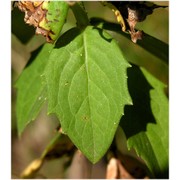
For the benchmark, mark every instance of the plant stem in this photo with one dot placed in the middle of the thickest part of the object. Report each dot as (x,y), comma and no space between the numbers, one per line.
(80,15)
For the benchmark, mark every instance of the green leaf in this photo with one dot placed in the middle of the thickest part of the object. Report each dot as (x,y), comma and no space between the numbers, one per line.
(55,18)
(87,88)
(155,51)
(146,58)
(146,122)
(153,45)
(31,91)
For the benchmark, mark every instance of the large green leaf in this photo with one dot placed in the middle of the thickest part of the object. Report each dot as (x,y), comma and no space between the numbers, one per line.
(31,92)
(146,122)
(87,88)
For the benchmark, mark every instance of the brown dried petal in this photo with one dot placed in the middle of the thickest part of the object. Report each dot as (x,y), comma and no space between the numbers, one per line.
(115,170)
(136,35)
(34,14)
(26,6)
(132,18)
(41,31)
(112,169)
(33,167)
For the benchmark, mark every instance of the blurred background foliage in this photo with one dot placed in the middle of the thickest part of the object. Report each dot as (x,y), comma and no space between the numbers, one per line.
(39,133)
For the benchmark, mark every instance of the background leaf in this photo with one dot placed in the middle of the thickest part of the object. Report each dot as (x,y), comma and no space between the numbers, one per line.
(155,50)
(31,91)
(87,88)
(146,122)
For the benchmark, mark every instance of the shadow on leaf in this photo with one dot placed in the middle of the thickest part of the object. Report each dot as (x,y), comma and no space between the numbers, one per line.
(67,37)
(138,115)
(101,31)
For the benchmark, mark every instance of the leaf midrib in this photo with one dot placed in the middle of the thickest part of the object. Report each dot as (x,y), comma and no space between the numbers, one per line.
(88,82)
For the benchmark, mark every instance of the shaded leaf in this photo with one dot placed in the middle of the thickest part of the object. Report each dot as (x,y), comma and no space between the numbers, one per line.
(31,89)
(146,122)
(87,88)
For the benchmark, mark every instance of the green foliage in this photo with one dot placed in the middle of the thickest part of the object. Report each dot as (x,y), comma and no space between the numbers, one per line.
(155,50)
(146,122)
(55,18)
(31,89)
(87,89)
(92,89)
